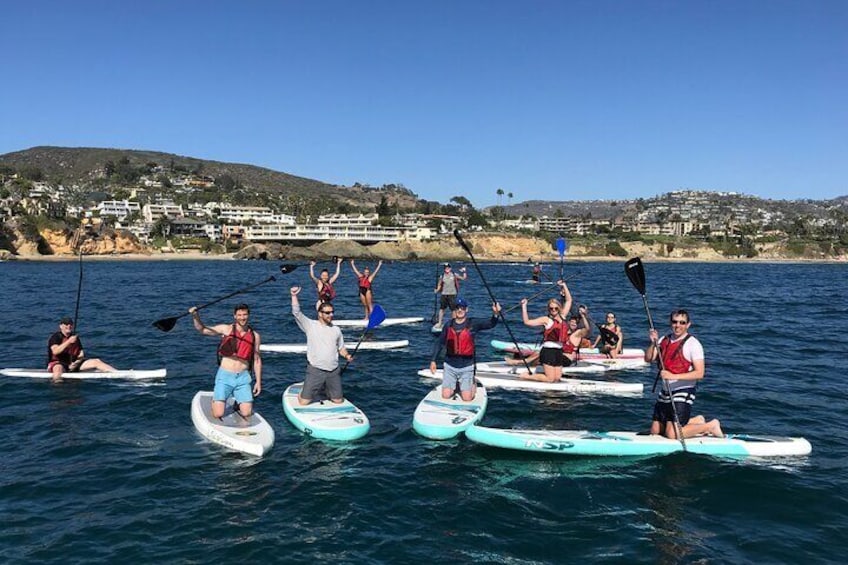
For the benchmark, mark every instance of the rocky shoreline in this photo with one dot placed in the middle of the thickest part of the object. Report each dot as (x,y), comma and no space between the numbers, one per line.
(59,246)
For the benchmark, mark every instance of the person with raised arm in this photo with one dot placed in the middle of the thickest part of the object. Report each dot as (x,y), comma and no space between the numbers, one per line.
(324,282)
(457,338)
(365,279)
(681,359)
(238,357)
(448,285)
(324,344)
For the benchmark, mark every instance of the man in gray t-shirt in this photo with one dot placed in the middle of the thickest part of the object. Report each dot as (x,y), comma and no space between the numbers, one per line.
(448,285)
(324,344)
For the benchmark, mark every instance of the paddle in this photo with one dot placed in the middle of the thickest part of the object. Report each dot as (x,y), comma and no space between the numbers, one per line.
(375,319)
(636,273)
(288,268)
(543,291)
(79,292)
(464,246)
(167,324)
(561,246)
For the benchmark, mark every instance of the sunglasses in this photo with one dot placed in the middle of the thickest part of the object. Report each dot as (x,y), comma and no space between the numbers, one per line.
(679,322)
(328,311)
(553,308)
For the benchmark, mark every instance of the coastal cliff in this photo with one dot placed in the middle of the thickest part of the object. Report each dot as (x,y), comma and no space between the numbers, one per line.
(29,244)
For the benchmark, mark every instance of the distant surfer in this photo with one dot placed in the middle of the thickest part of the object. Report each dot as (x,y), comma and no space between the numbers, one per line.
(366,293)
(66,355)
(448,285)
(536,273)
(324,282)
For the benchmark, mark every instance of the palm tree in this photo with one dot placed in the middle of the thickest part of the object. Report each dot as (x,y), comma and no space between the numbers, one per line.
(500,193)
(509,198)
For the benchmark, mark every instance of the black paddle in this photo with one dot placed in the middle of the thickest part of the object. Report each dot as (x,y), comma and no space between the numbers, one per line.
(464,245)
(79,292)
(636,273)
(375,319)
(288,268)
(167,324)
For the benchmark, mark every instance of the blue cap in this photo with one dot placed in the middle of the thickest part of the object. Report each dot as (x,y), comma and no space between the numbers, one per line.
(460,303)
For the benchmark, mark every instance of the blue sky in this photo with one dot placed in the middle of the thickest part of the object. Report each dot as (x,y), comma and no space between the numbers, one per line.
(549,100)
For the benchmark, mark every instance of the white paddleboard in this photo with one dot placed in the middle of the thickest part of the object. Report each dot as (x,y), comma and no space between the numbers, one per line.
(365,345)
(325,419)
(253,436)
(445,418)
(387,322)
(572,386)
(126,374)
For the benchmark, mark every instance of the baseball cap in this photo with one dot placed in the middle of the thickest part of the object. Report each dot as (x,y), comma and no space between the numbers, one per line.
(447,265)
(66,320)
(460,303)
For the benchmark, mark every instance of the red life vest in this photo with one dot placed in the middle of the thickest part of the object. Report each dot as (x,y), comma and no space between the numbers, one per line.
(327,292)
(460,343)
(240,347)
(558,332)
(68,356)
(672,356)
(364,282)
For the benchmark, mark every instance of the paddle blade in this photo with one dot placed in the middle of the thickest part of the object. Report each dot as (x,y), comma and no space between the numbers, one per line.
(636,273)
(608,335)
(561,246)
(287,268)
(376,318)
(165,324)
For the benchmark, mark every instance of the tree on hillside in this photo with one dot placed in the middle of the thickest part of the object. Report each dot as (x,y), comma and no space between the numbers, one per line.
(509,198)
(463,202)
(383,208)
(500,193)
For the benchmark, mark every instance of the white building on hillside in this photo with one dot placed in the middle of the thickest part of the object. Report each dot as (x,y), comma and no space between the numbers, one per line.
(119,209)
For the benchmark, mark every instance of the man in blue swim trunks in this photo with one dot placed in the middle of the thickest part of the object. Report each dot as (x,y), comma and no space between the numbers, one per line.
(239,357)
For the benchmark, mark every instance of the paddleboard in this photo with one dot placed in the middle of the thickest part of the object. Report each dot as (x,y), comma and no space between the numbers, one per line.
(365,345)
(445,418)
(325,419)
(570,442)
(387,322)
(530,281)
(126,374)
(582,366)
(436,329)
(253,436)
(585,354)
(572,386)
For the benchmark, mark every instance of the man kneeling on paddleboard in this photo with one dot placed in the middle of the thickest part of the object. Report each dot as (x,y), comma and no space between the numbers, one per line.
(681,361)
(457,338)
(324,344)
(238,356)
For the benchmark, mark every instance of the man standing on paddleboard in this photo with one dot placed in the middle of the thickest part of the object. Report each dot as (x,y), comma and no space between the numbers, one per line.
(457,338)
(324,344)
(238,356)
(448,285)
(682,366)
(66,355)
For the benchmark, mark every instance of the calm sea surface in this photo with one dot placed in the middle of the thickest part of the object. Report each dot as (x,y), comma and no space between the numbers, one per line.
(108,472)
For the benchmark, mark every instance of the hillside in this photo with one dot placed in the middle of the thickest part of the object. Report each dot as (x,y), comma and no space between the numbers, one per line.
(85,167)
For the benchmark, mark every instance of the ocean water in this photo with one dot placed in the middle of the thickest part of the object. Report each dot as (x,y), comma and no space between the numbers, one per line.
(109,471)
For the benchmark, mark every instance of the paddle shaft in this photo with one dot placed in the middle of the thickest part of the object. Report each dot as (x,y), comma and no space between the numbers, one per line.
(491,294)
(375,319)
(79,292)
(536,295)
(173,319)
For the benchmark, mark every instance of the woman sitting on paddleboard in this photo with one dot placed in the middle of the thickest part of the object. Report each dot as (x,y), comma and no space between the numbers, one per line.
(610,340)
(324,283)
(366,278)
